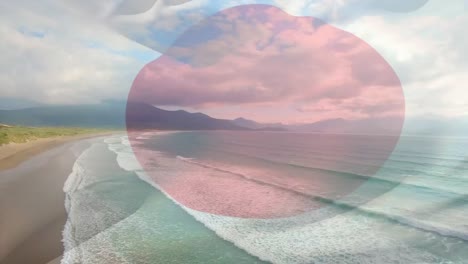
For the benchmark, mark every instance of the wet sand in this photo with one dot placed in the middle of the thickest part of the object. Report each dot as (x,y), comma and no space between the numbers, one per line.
(32,212)
(11,155)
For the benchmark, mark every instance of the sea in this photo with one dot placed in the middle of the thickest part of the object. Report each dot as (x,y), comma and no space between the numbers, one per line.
(268,197)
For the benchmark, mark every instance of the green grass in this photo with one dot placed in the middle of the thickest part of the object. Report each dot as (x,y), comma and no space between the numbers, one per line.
(18,134)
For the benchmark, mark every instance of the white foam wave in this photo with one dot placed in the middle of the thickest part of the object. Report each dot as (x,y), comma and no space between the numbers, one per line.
(72,184)
(378,211)
(436,227)
(184,158)
(82,236)
(150,134)
(74,180)
(305,240)
(113,140)
(147,135)
(125,157)
(126,142)
(344,238)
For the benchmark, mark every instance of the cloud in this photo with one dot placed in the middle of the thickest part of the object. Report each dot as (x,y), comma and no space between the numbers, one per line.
(259,55)
(65,52)
(428,52)
(54,56)
(158,23)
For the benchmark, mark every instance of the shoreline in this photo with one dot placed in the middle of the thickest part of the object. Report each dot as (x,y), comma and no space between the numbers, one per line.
(13,154)
(32,209)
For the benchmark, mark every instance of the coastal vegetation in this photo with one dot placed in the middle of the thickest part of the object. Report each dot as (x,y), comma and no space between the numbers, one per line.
(21,134)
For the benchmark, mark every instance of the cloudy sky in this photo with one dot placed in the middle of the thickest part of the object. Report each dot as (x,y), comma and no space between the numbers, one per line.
(410,55)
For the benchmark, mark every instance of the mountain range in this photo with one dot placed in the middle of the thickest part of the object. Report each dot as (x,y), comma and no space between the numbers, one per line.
(121,115)
(13,103)
(243,122)
(144,116)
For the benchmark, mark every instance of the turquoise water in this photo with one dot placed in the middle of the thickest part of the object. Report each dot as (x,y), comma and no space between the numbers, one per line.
(413,209)
(114,217)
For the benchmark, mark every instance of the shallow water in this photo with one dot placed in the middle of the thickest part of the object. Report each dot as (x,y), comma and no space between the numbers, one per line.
(114,217)
(412,209)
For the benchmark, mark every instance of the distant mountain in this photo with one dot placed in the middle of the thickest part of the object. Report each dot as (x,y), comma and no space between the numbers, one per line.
(113,115)
(321,126)
(277,129)
(11,103)
(247,123)
(343,126)
(144,116)
(431,126)
(99,115)
(437,126)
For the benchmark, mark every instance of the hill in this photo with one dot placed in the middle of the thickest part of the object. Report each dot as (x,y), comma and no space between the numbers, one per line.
(12,103)
(99,116)
(119,115)
(243,122)
(144,116)
(115,116)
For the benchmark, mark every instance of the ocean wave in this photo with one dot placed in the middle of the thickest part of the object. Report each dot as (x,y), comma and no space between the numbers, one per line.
(230,228)
(95,203)
(237,231)
(150,134)
(416,223)
(420,224)
(113,140)
(183,158)
(75,178)
(422,186)
(72,184)
(322,157)
(429,226)
(372,155)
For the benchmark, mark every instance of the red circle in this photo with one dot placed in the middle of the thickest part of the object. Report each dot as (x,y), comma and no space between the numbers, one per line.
(258,54)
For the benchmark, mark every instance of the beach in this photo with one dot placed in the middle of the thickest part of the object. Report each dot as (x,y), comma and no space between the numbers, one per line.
(32,209)
(142,199)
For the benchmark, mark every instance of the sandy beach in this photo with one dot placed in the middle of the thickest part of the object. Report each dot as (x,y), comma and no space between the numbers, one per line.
(32,213)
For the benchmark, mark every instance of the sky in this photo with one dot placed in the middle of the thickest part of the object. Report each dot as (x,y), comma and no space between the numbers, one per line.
(402,58)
